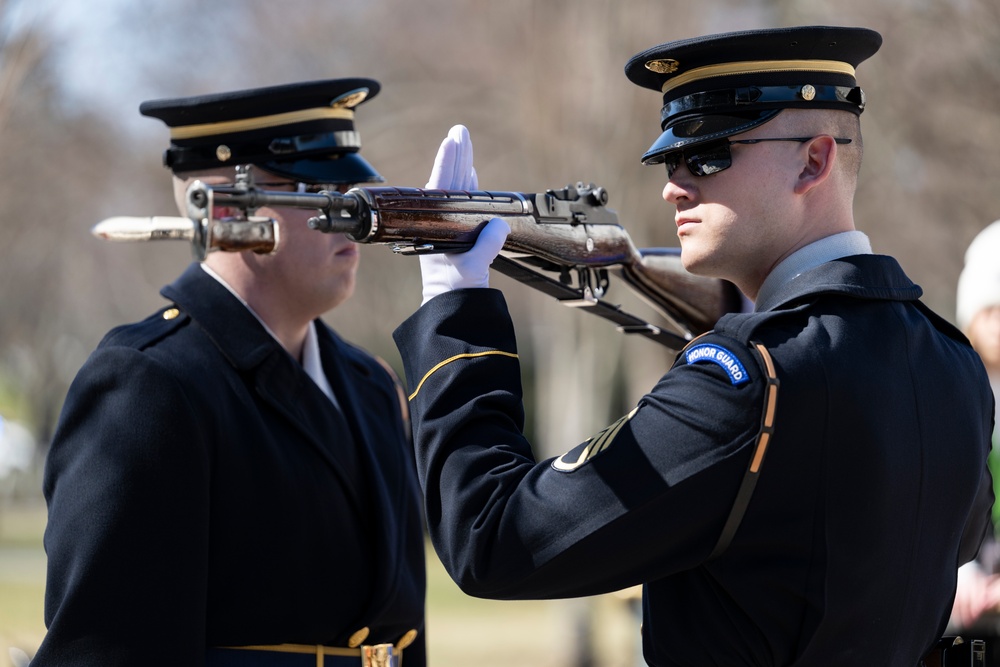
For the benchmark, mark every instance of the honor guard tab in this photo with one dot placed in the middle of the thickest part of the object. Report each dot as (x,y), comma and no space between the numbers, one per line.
(719,356)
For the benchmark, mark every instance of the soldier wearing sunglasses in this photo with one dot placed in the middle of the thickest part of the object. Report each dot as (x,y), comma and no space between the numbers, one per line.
(802,484)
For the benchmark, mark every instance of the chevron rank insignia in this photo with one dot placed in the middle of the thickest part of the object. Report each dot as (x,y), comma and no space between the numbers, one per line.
(583,452)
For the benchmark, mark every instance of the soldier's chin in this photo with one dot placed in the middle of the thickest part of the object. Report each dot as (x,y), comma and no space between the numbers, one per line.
(692,261)
(701,265)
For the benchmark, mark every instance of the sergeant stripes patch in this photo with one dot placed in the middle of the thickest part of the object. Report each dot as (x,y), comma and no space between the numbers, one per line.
(592,447)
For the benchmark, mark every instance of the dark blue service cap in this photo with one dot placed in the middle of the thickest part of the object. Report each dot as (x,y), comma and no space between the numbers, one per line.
(720,85)
(301,131)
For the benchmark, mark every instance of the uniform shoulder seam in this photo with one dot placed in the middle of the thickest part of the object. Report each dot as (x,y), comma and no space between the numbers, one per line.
(147,332)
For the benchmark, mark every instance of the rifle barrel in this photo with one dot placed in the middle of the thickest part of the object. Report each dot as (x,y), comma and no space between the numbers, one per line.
(253,199)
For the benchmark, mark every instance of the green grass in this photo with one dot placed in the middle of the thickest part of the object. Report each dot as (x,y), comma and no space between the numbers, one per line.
(22,578)
(461,630)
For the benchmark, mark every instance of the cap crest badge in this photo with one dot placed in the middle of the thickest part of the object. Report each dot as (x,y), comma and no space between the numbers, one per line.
(350,100)
(664,66)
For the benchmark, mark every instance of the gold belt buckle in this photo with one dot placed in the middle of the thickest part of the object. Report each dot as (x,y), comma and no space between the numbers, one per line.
(378,655)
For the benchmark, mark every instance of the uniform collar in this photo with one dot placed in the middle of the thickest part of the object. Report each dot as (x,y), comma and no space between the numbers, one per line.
(192,291)
(809,257)
(222,281)
(233,327)
(865,276)
(313,363)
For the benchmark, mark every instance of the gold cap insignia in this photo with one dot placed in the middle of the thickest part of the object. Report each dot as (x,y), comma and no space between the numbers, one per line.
(171,313)
(223,153)
(808,93)
(665,66)
(350,100)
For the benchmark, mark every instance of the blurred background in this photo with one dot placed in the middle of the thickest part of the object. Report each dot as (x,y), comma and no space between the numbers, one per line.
(540,85)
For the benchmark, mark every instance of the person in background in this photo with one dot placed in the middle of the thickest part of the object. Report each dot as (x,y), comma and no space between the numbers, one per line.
(231,482)
(976,613)
(801,486)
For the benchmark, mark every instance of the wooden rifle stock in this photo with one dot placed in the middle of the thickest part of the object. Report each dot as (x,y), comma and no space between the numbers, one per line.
(660,278)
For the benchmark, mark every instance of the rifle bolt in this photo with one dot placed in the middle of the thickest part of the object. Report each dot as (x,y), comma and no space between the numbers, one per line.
(320,223)
(599,196)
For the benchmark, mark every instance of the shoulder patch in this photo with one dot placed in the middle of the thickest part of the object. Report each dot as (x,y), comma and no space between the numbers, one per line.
(716,354)
(582,453)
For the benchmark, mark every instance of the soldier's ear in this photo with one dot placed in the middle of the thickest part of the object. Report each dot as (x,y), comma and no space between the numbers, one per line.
(819,155)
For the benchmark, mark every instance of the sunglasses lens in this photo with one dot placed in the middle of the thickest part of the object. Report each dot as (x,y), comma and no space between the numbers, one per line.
(706,161)
(671,161)
(710,160)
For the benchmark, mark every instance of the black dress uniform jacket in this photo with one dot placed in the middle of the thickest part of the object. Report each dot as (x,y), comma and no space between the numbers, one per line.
(204,492)
(873,488)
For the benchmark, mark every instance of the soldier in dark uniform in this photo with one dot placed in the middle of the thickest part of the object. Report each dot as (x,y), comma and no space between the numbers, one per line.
(229,473)
(802,484)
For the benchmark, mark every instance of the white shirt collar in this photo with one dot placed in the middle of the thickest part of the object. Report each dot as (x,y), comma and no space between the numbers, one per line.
(312,362)
(809,257)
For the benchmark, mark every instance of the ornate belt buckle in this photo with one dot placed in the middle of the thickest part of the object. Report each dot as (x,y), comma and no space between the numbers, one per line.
(378,655)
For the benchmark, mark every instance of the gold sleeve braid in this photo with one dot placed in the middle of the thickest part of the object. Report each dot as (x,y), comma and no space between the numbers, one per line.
(457,357)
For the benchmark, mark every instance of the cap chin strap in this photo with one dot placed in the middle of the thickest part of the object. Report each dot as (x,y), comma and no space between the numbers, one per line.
(750,98)
(230,152)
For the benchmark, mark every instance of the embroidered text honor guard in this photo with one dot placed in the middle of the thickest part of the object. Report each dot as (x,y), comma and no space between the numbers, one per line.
(720,356)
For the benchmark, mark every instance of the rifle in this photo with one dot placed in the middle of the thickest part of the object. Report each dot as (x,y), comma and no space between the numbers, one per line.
(569,232)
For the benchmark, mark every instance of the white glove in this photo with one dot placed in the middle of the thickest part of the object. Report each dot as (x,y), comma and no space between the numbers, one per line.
(453,168)
(443,272)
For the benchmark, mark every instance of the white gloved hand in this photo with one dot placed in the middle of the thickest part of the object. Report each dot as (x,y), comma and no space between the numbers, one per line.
(453,168)
(443,272)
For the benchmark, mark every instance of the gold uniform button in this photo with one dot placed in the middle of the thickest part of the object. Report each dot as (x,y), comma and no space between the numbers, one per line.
(358,637)
(406,639)
(170,313)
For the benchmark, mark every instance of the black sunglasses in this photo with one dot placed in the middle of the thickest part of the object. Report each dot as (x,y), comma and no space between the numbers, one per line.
(717,156)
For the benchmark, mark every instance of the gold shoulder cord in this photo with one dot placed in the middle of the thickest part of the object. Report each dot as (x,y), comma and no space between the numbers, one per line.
(756,461)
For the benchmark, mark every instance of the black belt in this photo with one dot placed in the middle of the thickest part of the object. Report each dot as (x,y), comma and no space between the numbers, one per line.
(304,655)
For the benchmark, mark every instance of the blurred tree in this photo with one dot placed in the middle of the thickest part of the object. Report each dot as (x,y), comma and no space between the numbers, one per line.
(59,169)
(928,183)
(541,87)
